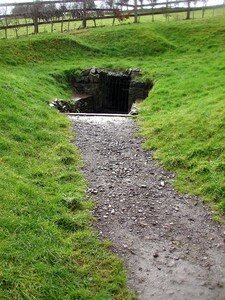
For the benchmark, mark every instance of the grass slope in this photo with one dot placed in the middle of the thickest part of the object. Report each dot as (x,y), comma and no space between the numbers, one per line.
(183,118)
(47,249)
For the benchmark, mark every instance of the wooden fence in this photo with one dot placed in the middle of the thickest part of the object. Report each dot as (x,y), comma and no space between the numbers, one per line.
(35,14)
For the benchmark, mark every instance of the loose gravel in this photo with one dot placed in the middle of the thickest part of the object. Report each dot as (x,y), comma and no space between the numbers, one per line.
(171,247)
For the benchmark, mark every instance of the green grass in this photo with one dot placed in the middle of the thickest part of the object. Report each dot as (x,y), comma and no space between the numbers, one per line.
(48,249)
(69,26)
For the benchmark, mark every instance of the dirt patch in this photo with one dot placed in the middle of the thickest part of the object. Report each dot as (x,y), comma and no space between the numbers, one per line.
(171,247)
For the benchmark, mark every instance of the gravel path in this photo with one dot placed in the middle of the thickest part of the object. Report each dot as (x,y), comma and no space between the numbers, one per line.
(171,247)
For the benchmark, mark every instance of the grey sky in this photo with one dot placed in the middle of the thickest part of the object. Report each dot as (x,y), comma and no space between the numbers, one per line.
(210,2)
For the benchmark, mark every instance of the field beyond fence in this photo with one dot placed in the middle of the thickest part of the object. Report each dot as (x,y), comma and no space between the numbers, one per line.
(19,19)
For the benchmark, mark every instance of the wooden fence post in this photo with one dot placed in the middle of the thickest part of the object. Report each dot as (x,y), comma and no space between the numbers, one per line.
(135,12)
(27,28)
(6,24)
(62,24)
(35,17)
(188,10)
(152,11)
(84,14)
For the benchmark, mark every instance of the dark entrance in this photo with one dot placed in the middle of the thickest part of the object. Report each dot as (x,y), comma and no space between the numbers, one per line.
(115,93)
(104,91)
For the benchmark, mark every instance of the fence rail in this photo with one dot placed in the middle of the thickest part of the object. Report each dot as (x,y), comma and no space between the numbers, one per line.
(44,2)
(37,15)
(65,11)
(157,3)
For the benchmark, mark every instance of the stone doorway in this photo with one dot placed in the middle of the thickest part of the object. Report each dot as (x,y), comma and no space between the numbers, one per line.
(104,91)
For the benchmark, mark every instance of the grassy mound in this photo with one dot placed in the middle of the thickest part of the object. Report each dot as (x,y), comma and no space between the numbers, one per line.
(39,49)
(127,41)
(183,118)
(47,249)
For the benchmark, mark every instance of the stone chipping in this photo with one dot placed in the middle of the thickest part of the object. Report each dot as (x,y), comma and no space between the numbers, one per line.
(171,247)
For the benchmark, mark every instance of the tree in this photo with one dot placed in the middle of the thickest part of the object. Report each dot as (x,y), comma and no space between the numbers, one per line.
(204,2)
(141,1)
(110,3)
(91,4)
(152,8)
(4,22)
(21,10)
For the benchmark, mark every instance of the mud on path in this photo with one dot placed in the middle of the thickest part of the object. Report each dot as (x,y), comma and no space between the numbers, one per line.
(171,247)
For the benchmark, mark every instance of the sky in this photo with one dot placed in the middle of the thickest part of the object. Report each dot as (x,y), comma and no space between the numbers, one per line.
(210,2)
